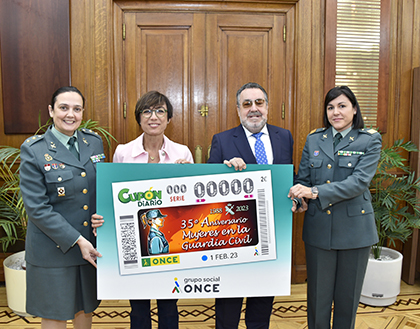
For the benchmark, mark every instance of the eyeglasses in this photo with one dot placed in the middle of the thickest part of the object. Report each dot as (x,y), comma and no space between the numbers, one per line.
(160,112)
(247,103)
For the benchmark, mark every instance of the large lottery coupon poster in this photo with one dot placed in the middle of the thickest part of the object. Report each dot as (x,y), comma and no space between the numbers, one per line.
(193,231)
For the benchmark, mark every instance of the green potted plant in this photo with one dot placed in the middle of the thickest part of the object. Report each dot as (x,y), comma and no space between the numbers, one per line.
(397,212)
(13,217)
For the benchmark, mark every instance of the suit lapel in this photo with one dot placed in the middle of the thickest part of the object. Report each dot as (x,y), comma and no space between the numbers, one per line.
(326,143)
(84,148)
(276,143)
(241,142)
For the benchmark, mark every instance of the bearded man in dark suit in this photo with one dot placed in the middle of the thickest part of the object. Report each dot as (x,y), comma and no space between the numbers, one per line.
(254,142)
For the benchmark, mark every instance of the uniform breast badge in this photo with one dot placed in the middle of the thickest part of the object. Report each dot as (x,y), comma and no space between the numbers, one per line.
(61,191)
(349,153)
(47,157)
(97,158)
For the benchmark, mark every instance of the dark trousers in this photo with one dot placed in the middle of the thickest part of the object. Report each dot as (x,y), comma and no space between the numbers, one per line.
(167,313)
(334,276)
(257,314)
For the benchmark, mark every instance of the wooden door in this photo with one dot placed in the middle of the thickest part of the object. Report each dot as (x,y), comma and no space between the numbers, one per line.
(162,52)
(199,60)
(245,48)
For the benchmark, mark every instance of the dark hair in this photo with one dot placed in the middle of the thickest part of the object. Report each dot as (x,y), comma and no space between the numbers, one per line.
(152,99)
(250,85)
(62,90)
(343,90)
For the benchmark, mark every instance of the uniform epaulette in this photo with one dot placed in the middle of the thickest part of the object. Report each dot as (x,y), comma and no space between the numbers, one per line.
(369,131)
(34,139)
(90,132)
(316,130)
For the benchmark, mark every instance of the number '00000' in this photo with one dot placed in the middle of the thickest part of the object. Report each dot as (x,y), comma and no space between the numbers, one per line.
(224,188)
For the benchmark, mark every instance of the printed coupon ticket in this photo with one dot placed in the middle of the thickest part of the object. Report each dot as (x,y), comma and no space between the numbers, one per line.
(196,221)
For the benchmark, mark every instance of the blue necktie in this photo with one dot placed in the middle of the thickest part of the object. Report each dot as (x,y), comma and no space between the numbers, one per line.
(260,154)
(72,147)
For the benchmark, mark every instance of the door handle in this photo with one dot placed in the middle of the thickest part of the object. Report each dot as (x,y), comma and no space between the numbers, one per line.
(204,110)
(198,154)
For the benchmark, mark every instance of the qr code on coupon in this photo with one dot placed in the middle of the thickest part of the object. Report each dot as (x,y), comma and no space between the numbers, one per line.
(128,243)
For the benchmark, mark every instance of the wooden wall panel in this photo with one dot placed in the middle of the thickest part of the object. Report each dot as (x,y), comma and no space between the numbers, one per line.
(35,53)
(411,261)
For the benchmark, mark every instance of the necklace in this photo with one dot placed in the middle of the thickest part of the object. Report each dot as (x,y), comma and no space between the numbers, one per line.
(152,158)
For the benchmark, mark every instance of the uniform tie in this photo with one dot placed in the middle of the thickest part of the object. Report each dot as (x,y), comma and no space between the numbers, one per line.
(72,147)
(260,154)
(337,139)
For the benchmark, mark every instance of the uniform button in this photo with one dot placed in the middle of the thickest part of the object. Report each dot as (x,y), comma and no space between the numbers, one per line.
(59,179)
(84,191)
(328,212)
(83,174)
(85,223)
(349,164)
(363,211)
(330,205)
(312,164)
(328,181)
(329,166)
(58,246)
(85,207)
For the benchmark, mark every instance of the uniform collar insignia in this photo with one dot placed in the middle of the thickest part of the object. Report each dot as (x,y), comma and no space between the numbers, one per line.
(351,139)
(52,145)
(85,141)
(325,136)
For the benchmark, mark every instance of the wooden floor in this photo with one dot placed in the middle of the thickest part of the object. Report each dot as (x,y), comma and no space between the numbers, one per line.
(288,313)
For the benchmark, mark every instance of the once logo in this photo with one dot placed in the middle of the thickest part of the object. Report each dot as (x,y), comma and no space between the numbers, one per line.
(157,261)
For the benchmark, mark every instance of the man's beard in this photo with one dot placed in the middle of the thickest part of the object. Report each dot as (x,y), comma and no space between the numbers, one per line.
(254,127)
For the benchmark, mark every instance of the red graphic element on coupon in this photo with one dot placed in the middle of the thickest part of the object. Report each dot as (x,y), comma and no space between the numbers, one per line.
(202,227)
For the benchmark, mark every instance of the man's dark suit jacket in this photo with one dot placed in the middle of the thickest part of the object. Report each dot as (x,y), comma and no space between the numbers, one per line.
(234,143)
(225,146)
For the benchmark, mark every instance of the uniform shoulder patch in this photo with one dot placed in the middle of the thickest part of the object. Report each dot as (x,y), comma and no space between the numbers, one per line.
(90,132)
(369,131)
(33,139)
(316,130)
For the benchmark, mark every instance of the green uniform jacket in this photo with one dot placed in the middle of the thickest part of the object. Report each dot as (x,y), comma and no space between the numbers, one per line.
(59,193)
(342,216)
